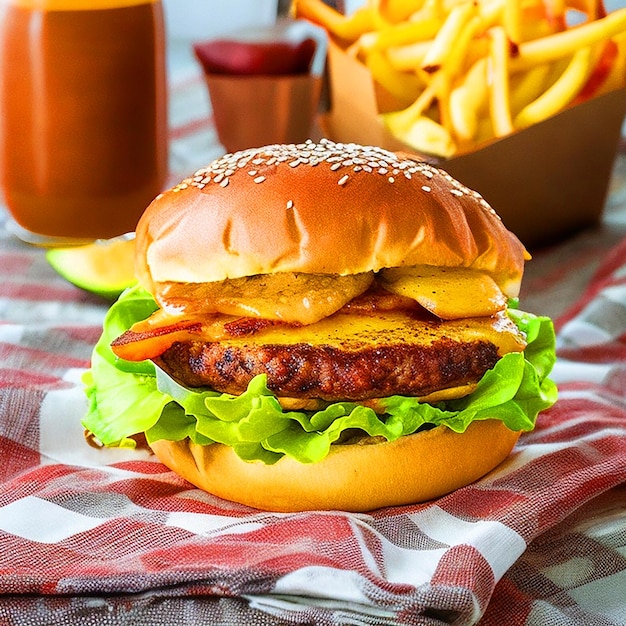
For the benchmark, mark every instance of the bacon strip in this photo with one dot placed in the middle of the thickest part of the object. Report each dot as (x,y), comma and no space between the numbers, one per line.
(139,345)
(149,339)
(247,326)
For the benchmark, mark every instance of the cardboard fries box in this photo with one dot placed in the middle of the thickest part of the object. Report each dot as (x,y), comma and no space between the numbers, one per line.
(546,182)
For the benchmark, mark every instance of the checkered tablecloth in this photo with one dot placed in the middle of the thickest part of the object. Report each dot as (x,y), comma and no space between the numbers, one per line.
(112,537)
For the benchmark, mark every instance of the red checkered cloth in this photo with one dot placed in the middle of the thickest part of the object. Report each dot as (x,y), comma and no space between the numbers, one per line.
(111,537)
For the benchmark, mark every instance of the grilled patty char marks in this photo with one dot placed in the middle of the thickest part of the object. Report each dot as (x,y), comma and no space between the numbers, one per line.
(328,372)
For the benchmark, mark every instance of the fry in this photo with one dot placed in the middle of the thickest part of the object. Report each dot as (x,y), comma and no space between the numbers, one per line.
(555,12)
(408,32)
(467,99)
(567,42)
(511,20)
(561,93)
(429,8)
(466,48)
(403,86)
(617,71)
(449,32)
(607,61)
(398,10)
(528,86)
(405,117)
(348,28)
(406,58)
(426,135)
(499,88)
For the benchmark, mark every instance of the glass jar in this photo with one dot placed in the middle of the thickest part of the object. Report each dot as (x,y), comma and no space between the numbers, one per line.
(83,115)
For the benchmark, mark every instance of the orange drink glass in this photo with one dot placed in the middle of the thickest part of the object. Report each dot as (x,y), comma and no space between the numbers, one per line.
(83,119)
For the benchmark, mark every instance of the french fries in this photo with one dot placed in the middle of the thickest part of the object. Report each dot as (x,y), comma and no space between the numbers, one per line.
(499,106)
(466,72)
(561,92)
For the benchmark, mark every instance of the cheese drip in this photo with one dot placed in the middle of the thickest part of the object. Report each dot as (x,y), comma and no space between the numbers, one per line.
(287,296)
(347,331)
(448,293)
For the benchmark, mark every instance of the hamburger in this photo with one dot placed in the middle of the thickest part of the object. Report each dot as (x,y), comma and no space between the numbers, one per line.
(322,326)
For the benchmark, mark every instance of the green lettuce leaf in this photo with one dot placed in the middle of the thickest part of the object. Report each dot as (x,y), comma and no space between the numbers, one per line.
(123,395)
(131,398)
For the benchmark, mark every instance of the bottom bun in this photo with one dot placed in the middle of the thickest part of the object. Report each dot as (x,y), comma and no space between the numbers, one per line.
(355,477)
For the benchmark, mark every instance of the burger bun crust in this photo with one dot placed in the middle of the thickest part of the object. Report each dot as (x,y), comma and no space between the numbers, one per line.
(320,209)
(353,477)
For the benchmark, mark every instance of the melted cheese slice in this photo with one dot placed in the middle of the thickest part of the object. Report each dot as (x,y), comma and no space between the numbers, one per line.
(314,404)
(285,296)
(348,332)
(448,293)
(354,332)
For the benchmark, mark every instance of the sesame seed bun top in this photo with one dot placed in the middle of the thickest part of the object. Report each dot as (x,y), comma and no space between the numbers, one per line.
(324,208)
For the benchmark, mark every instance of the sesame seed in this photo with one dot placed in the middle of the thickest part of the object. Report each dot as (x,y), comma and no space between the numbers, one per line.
(425,187)
(290,204)
(456,192)
(353,158)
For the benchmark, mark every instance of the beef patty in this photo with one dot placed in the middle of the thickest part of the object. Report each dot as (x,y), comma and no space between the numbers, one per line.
(329,372)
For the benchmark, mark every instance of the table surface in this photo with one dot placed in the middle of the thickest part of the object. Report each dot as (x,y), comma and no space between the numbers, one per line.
(47,330)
